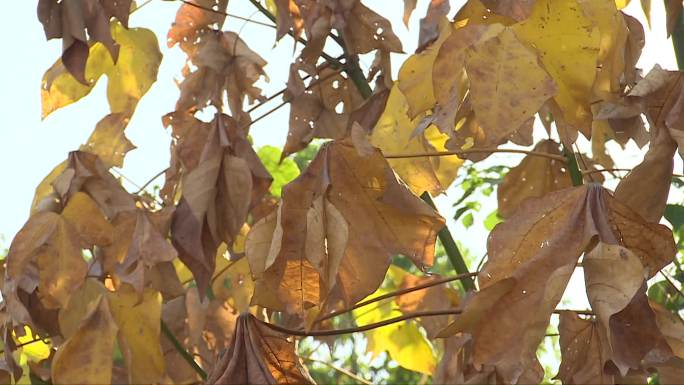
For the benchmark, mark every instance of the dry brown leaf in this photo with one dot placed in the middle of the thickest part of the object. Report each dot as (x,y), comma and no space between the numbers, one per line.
(321,111)
(80,24)
(258,355)
(225,64)
(430,24)
(584,350)
(616,288)
(339,190)
(409,6)
(646,188)
(193,22)
(217,195)
(531,258)
(534,177)
(673,9)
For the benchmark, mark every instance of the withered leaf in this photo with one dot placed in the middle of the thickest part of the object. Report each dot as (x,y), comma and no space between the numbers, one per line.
(193,21)
(533,177)
(79,24)
(531,258)
(225,64)
(438,297)
(217,195)
(382,217)
(616,288)
(258,355)
(321,109)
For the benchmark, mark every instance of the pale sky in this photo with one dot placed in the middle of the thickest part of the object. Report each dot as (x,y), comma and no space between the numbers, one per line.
(31,147)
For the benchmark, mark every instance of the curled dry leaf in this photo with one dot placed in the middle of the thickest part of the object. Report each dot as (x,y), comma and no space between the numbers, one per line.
(138,244)
(321,110)
(533,177)
(225,64)
(47,254)
(258,355)
(217,195)
(192,22)
(531,258)
(354,204)
(430,24)
(79,25)
(616,288)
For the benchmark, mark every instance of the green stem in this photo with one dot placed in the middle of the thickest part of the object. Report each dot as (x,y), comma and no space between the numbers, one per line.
(575,173)
(184,353)
(451,249)
(678,40)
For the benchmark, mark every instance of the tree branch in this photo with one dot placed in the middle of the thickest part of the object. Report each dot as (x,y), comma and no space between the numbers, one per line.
(346,372)
(394,294)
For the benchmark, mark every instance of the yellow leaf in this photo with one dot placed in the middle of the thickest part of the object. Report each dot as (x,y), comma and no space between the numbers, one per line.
(139,325)
(129,79)
(402,340)
(621,3)
(34,351)
(415,76)
(568,45)
(86,356)
(80,304)
(394,134)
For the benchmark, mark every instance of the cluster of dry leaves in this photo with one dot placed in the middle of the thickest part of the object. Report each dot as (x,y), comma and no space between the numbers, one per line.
(102,273)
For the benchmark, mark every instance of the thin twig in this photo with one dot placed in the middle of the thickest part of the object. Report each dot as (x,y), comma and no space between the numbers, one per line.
(140,6)
(580,312)
(276,108)
(375,325)
(395,294)
(181,350)
(620,170)
(344,371)
(478,150)
(33,341)
(157,175)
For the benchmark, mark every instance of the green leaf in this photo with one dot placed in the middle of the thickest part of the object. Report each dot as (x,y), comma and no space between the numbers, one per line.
(467,220)
(492,220)
(675,215)
(283,172)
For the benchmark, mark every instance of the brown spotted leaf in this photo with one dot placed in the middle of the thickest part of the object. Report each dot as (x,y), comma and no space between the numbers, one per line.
(193,21)
(259,355)
(518,10)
